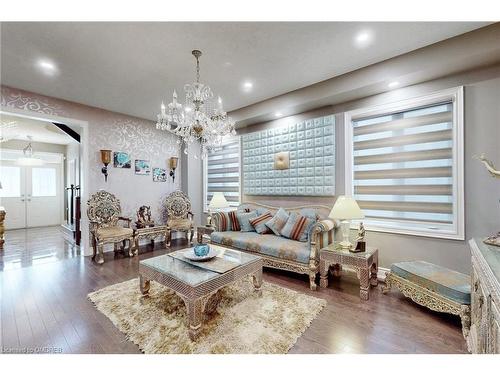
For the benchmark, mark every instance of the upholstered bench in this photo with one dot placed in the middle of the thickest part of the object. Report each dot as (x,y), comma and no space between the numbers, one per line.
(438,288)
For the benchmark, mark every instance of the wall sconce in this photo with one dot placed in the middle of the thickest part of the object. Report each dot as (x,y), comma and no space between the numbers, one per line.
(106,159)
(172,163)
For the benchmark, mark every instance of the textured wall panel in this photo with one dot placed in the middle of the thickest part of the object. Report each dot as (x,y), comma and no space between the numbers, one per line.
(311,148)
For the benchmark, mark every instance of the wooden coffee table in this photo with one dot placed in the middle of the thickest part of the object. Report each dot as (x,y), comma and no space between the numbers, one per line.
(198,287)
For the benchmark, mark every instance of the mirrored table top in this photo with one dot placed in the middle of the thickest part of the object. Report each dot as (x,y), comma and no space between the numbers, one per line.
(191,274)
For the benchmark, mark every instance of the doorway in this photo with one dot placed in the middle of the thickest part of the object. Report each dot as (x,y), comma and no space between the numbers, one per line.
(33,195)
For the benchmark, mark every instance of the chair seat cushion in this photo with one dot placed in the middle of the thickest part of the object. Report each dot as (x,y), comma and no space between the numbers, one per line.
(109,232)
(448,283)
(267,244)
(179,224)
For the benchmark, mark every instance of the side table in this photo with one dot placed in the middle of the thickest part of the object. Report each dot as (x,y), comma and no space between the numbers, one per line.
(201,231)
(150,233)
(365,264)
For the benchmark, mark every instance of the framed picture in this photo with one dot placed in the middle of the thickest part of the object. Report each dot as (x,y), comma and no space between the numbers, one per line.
(121,160)
(159,175)
(142,167)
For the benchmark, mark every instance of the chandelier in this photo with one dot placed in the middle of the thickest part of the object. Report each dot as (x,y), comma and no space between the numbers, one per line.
(201,118)
(28,159)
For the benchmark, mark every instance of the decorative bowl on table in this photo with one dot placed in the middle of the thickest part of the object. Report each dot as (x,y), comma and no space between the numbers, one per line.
(201,250)
(200,253)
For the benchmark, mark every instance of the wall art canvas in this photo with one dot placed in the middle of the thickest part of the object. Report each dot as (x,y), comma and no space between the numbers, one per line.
(298,159)
(159,175)
(121,160)
(142,167)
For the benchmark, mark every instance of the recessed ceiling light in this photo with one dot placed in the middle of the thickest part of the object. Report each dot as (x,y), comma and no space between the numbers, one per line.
(363,38)
(47,67)
(228,64)
(247,85)
(393,84)
(278,114)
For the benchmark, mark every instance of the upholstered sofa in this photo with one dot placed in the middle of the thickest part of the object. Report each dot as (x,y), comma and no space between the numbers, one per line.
(277,251)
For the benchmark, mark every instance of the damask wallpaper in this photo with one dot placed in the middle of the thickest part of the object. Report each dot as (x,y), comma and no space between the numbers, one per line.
(117,132)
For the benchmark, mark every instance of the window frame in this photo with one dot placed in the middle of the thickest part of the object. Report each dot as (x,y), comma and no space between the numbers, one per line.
(456,95)
(229,139)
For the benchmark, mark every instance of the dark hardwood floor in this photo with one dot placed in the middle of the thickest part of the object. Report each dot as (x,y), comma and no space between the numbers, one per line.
(44,284)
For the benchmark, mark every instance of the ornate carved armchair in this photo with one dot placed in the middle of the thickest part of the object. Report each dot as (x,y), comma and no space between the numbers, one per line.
(104,213)
(179,215)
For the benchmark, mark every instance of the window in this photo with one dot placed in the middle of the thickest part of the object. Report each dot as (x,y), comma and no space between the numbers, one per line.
(222,172)
(10,178)
(43,182)
(405,165)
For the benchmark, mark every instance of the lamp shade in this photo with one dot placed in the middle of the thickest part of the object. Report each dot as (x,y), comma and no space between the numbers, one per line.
(106,156)
(346,208)
(218,201)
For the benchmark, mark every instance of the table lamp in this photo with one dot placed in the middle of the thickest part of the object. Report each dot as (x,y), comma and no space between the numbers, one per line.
(218,201)
(345,209)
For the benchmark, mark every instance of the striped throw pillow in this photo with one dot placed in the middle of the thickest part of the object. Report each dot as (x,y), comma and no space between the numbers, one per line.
(235,224)
(225,221)
(297,227)
(259,223)
(278,221)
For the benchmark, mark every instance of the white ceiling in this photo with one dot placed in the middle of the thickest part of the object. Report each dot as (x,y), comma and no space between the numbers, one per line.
(19,128)
(131,67)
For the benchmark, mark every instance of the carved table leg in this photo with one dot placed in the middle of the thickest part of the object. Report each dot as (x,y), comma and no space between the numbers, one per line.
(130,251)
(136,246)
(364,281)
(373,274)
(144,285)
(199,237)
(168,237)
(257,282)
(388,285)
(466,319)
(212,302)
(191,234)
(100,255)
(323,270)
(195,317)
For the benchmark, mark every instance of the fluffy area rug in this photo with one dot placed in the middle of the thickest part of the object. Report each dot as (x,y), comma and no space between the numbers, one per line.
(243,322)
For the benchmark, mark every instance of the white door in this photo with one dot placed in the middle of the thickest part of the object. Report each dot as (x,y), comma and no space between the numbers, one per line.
(31,196)
(43,198)
(13,194)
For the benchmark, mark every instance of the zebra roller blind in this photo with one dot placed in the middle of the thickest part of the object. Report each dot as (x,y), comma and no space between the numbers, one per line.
(403,168)
(223,172)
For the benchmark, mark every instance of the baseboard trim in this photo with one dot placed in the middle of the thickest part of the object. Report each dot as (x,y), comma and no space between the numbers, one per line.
(381,273)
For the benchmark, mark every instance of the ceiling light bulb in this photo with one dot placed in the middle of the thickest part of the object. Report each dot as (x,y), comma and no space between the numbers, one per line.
(47,66)
(247,85)
(278,114)
(393,84)
(363,38)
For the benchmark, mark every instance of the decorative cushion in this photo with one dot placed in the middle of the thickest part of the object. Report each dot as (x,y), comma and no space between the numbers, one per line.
(310,213)
(225,221)
(278,221)
(297,227)
(109,232)
(266,244)
(179,224)
(448,283)
(244,220)
(235,224)
(259,223)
